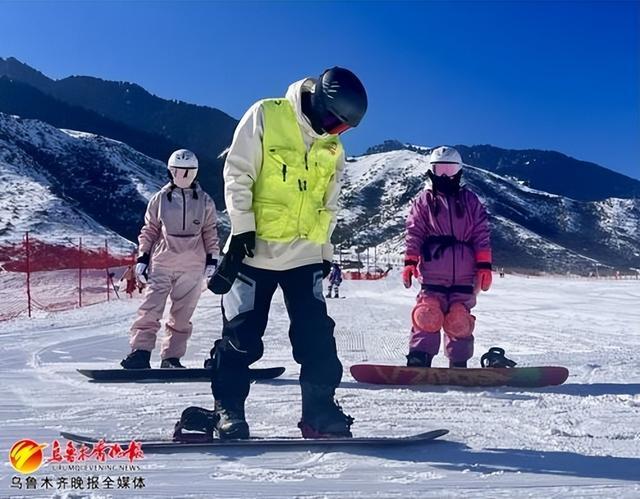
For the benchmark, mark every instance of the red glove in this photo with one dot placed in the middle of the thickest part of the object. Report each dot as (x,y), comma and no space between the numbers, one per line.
(483,270)
(410,269)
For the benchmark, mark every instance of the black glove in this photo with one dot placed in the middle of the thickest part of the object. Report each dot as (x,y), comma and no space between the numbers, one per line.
(225,274)
(210,266)
(243,244)
(326,268)
(142,267)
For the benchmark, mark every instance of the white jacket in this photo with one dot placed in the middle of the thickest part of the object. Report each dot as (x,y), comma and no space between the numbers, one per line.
(241,169)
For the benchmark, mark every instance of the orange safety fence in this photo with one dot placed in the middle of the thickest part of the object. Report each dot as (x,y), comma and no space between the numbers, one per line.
(356,275)
(38,275)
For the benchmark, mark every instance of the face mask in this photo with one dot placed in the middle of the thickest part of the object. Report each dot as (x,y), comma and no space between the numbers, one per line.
(445,185)
(183,177)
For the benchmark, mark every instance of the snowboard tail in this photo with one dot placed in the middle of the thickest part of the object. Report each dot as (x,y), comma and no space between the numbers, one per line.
(168,375)
(526,377)
(172,446)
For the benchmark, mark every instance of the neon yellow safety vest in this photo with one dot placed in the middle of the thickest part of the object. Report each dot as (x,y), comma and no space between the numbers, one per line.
(288,195)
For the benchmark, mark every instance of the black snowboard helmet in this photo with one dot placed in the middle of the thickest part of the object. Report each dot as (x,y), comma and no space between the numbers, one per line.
(337,103)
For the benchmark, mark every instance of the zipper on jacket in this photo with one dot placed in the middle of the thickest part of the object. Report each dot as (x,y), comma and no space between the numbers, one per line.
(453,248)
(284,172)
(184,210)
(300,186)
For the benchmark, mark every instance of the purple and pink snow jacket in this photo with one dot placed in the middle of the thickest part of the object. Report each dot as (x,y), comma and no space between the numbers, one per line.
(446,233)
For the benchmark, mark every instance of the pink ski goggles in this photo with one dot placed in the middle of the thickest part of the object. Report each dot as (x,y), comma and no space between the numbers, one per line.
(445,169)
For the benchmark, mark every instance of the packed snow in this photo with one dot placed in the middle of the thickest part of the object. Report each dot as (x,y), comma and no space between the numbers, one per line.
(581,439)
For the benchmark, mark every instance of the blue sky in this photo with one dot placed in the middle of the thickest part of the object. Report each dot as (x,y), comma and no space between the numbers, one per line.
(547,75)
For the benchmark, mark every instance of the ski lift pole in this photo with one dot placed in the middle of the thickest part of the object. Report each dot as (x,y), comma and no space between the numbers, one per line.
(28,273)
(106,267)
(80,274)
(375,259)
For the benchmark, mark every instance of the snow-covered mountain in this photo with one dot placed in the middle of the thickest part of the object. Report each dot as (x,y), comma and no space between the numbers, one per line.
(532,229)
(61,184)
(548,171)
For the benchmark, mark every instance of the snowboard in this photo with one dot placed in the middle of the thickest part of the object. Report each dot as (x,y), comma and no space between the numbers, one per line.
(171,446)
(169,375)
(529,377)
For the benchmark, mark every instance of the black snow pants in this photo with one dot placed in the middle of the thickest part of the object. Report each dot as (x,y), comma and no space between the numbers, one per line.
(245,312)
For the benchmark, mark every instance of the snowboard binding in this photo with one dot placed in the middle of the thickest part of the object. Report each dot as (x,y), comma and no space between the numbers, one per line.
(196,424)
(495,358)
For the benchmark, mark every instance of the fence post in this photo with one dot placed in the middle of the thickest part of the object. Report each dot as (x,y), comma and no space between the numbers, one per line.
(28,273)
(80,275)
(106,267)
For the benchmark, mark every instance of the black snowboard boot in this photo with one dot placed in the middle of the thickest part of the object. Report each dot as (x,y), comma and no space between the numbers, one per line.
(171,363)
(419,359)
(138,359)
(231,422)
(461,363)
(196,425)
(322,417)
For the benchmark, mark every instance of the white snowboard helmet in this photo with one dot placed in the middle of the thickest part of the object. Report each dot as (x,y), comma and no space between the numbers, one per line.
(445,160)
(183,166)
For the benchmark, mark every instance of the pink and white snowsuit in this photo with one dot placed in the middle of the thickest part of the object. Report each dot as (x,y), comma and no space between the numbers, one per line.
(447,233)
(179,232)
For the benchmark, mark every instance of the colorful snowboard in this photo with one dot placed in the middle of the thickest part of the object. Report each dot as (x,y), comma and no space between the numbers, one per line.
(169,375)
(171,446)
(529,377)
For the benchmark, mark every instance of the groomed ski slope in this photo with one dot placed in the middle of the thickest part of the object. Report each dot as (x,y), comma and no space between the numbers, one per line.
(581,439)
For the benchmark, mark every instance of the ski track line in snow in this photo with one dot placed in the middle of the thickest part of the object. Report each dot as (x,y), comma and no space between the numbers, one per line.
(580,439)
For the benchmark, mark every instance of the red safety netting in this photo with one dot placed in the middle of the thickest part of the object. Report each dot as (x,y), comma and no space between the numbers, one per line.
(38,275)
(356,275)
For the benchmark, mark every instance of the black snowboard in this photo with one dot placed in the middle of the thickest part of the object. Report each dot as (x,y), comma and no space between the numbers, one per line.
(151,446)
(169,375)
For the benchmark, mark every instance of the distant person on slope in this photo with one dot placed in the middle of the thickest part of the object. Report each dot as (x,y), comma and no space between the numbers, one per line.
(448,248)
(129,279)
(282,181)
(178,245)
(335,279)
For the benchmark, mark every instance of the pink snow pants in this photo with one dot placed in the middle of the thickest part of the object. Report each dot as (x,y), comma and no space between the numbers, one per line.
(184,289)
(456,349)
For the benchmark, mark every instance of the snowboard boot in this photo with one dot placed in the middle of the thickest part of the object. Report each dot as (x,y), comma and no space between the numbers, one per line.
(336,295)
(196,425)
(138,359)
(231,422)
(171,363)
(328,295)
(458,364)
(419,359)
(495,358)
(322,417)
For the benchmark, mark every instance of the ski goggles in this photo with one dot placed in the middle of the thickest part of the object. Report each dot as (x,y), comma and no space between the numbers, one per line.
(330,123)
(445,169)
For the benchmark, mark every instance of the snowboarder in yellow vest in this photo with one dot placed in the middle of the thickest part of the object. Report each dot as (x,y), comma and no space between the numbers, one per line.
(282,182)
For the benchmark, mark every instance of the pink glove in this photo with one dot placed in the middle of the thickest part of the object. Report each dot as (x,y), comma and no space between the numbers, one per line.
(483,270)
(410,269)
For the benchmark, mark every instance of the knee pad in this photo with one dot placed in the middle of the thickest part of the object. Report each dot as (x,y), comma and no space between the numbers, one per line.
(459,323)
(427,315)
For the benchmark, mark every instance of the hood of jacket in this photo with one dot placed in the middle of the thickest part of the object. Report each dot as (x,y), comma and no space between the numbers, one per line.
(294,96)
